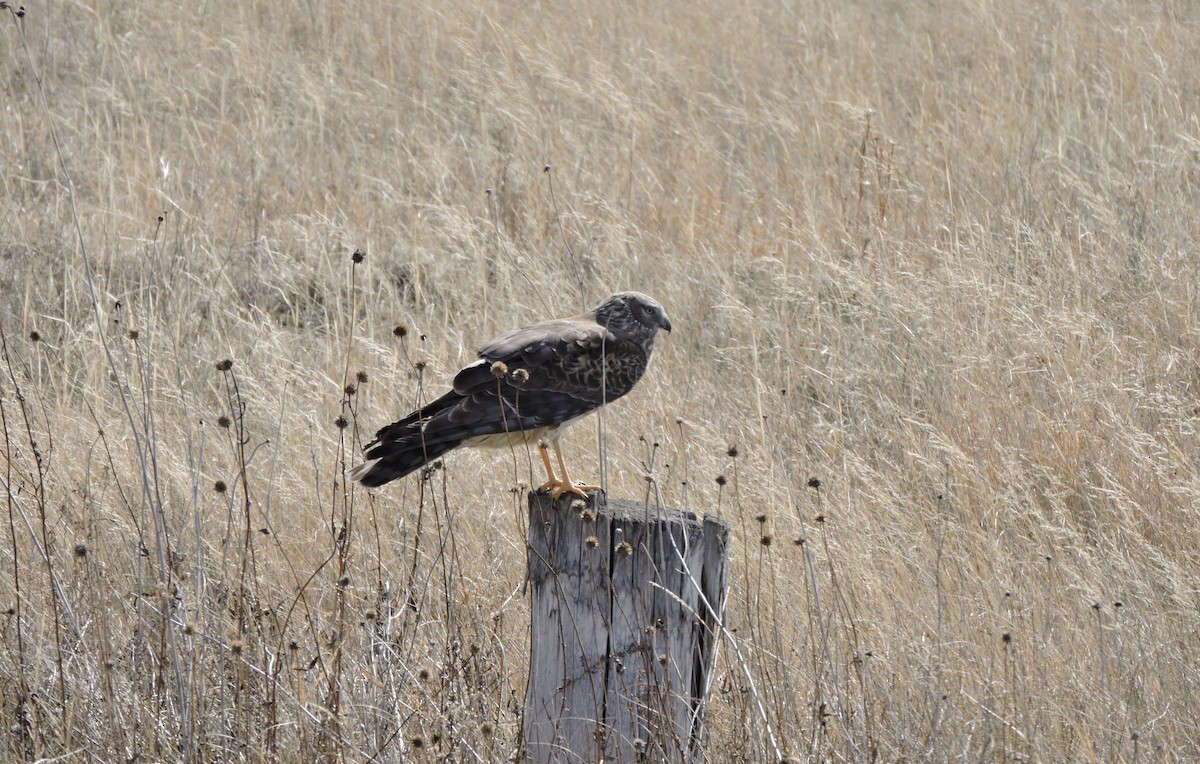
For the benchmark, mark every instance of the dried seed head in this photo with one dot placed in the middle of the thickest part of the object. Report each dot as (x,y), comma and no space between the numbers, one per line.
(224,422)
(486,729)
(421,364)
(1006,637)
(81,550)
(499,369)
(624,549)
(760,518)
(361,376)
(224,365)
(520,376)
(578,505)
(349,389)
(588,515)
(400,330)
(358,256)
(418,742)
(766,539)
(721,480)
(592,542)
(237,646)
(133,334)
(343,582)
(423,675)
(814,483)
(732,452)
(428,471)
(341,422)
(189,628)
(35,336)
(220,486)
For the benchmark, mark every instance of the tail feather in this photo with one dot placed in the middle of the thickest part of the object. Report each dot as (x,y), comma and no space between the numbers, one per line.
(393,460)
(405,446)
(440,426)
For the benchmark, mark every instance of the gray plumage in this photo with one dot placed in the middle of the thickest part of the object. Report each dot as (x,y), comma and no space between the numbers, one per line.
(526,386)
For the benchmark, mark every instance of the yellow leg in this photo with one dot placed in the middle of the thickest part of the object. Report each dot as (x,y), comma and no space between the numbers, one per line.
(565,485)
(550,479)
(552,484)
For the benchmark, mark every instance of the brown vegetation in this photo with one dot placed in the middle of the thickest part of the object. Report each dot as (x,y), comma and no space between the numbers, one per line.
(932,268)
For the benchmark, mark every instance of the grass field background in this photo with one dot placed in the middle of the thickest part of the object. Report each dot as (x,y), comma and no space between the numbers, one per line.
(932,269)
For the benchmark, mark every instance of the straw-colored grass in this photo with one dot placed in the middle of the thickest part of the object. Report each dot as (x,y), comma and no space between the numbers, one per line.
(932,268)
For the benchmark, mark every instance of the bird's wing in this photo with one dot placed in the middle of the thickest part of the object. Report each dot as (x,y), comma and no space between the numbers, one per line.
(540,349)
(543,379)
(481,404)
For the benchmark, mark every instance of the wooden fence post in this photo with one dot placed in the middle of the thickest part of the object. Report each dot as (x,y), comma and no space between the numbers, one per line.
(625,605)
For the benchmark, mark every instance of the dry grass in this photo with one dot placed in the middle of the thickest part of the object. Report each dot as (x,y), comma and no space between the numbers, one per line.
(941,257)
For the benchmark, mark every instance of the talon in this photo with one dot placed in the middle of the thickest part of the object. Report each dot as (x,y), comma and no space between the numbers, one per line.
(579,490)
(556,486)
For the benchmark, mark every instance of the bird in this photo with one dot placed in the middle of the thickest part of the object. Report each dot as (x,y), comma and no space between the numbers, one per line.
(526,385)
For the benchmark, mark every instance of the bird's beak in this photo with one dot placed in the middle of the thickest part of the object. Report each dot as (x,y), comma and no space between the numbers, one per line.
(666,323)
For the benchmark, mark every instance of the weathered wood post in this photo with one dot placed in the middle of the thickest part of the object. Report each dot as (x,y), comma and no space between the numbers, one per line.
(626,601)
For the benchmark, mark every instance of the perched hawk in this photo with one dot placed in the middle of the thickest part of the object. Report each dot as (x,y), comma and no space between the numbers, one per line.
(527,385)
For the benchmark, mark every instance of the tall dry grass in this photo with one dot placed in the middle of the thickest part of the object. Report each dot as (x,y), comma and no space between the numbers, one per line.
(933,272)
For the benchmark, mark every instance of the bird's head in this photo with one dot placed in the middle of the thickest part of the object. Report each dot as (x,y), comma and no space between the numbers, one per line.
(632,314)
